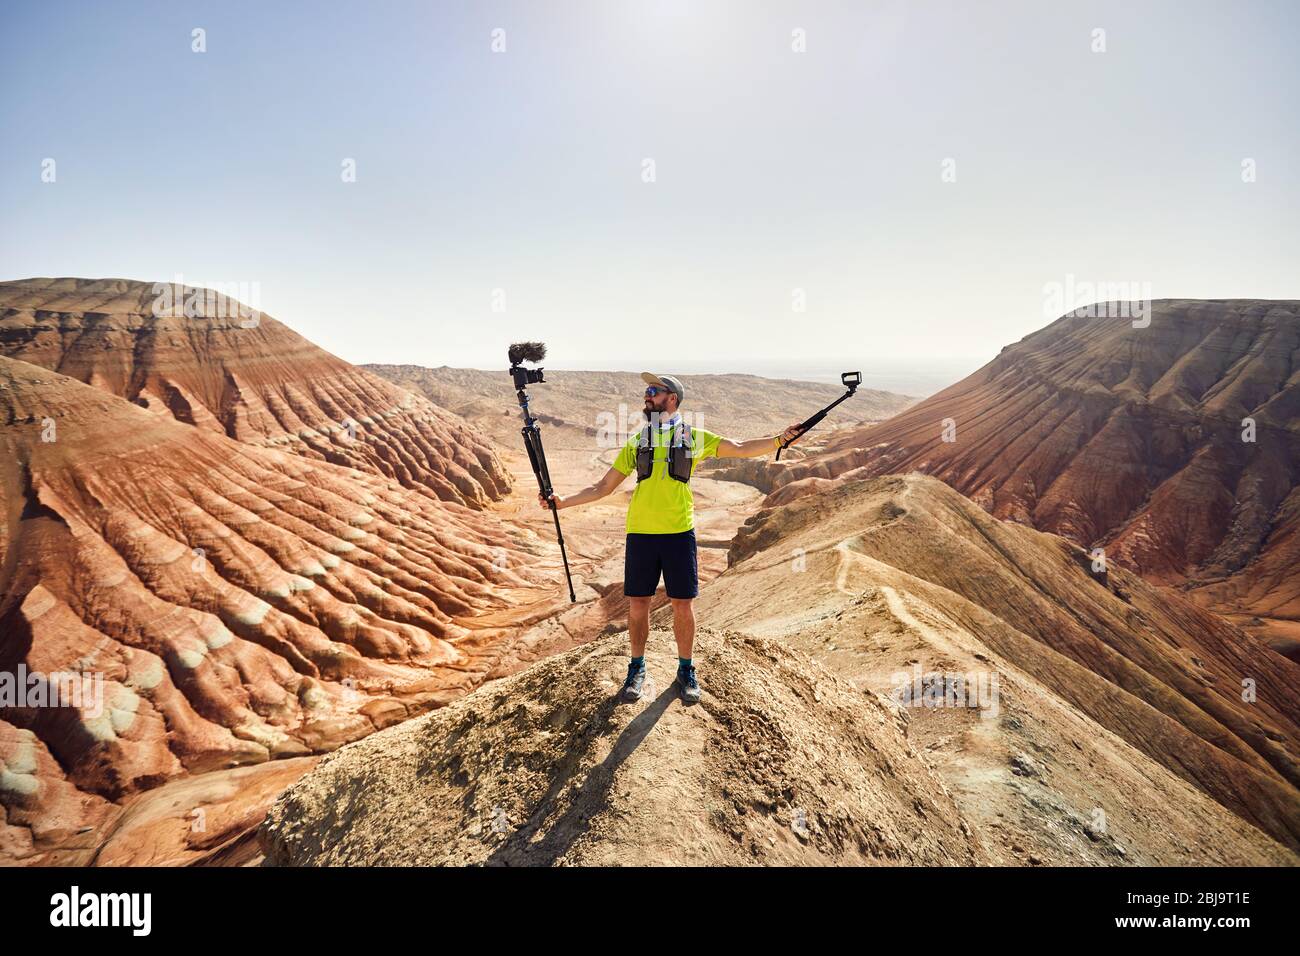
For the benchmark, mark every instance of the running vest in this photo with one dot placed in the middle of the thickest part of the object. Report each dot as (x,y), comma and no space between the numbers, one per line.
(679,453)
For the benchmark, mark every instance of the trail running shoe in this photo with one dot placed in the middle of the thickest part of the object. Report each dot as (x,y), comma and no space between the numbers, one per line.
(635,680)
(689,685)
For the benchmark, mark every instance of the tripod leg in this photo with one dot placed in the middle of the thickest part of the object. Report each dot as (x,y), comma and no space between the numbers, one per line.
(533,446)
(555,513)
(537,457)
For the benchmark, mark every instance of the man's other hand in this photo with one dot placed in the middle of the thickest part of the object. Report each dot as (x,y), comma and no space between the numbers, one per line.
(542,503)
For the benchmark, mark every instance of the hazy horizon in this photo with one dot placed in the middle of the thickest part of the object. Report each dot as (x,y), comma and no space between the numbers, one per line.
(916,381)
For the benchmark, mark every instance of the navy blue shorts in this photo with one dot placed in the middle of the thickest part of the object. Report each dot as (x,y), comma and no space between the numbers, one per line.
(673,554)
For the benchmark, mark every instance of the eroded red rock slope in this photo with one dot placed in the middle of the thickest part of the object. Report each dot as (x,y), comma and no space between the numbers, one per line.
(242,603)
(1129,439)
(263,385)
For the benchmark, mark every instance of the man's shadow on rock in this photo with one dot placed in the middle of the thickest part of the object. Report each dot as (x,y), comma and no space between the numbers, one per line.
(518,850)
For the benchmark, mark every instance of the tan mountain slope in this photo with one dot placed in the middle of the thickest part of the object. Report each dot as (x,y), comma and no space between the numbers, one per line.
(1100,673)
(240,603)
(247,376)
(1111,736)
(781,763)
(1130,439)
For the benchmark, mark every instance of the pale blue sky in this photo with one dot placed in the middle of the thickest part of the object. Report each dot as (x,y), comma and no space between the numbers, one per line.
(776,170)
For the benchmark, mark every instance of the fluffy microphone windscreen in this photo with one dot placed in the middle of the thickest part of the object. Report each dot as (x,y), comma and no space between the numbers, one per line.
(527,352)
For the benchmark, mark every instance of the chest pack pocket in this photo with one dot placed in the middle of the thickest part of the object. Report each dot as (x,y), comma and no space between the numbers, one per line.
(679,453)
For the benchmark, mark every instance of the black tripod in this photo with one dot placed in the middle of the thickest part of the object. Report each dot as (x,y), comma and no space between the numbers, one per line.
(851,381)
(535,352)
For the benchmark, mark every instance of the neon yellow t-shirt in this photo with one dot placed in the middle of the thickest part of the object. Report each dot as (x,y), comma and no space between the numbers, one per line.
(661,504)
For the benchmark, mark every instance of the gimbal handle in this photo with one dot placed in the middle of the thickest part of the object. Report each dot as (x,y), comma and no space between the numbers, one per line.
(808,423)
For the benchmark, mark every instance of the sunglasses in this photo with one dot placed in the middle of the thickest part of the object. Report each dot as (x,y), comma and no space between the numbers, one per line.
(654,390)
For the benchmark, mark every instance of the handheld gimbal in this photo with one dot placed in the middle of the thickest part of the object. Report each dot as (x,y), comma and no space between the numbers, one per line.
(523,377)
(851,381)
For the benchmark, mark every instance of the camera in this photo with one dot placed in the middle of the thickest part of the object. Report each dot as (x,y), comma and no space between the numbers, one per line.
(526,376)
(526,352)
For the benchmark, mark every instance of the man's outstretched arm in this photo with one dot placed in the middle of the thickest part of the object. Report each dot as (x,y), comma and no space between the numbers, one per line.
(758,447)
(611,480)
